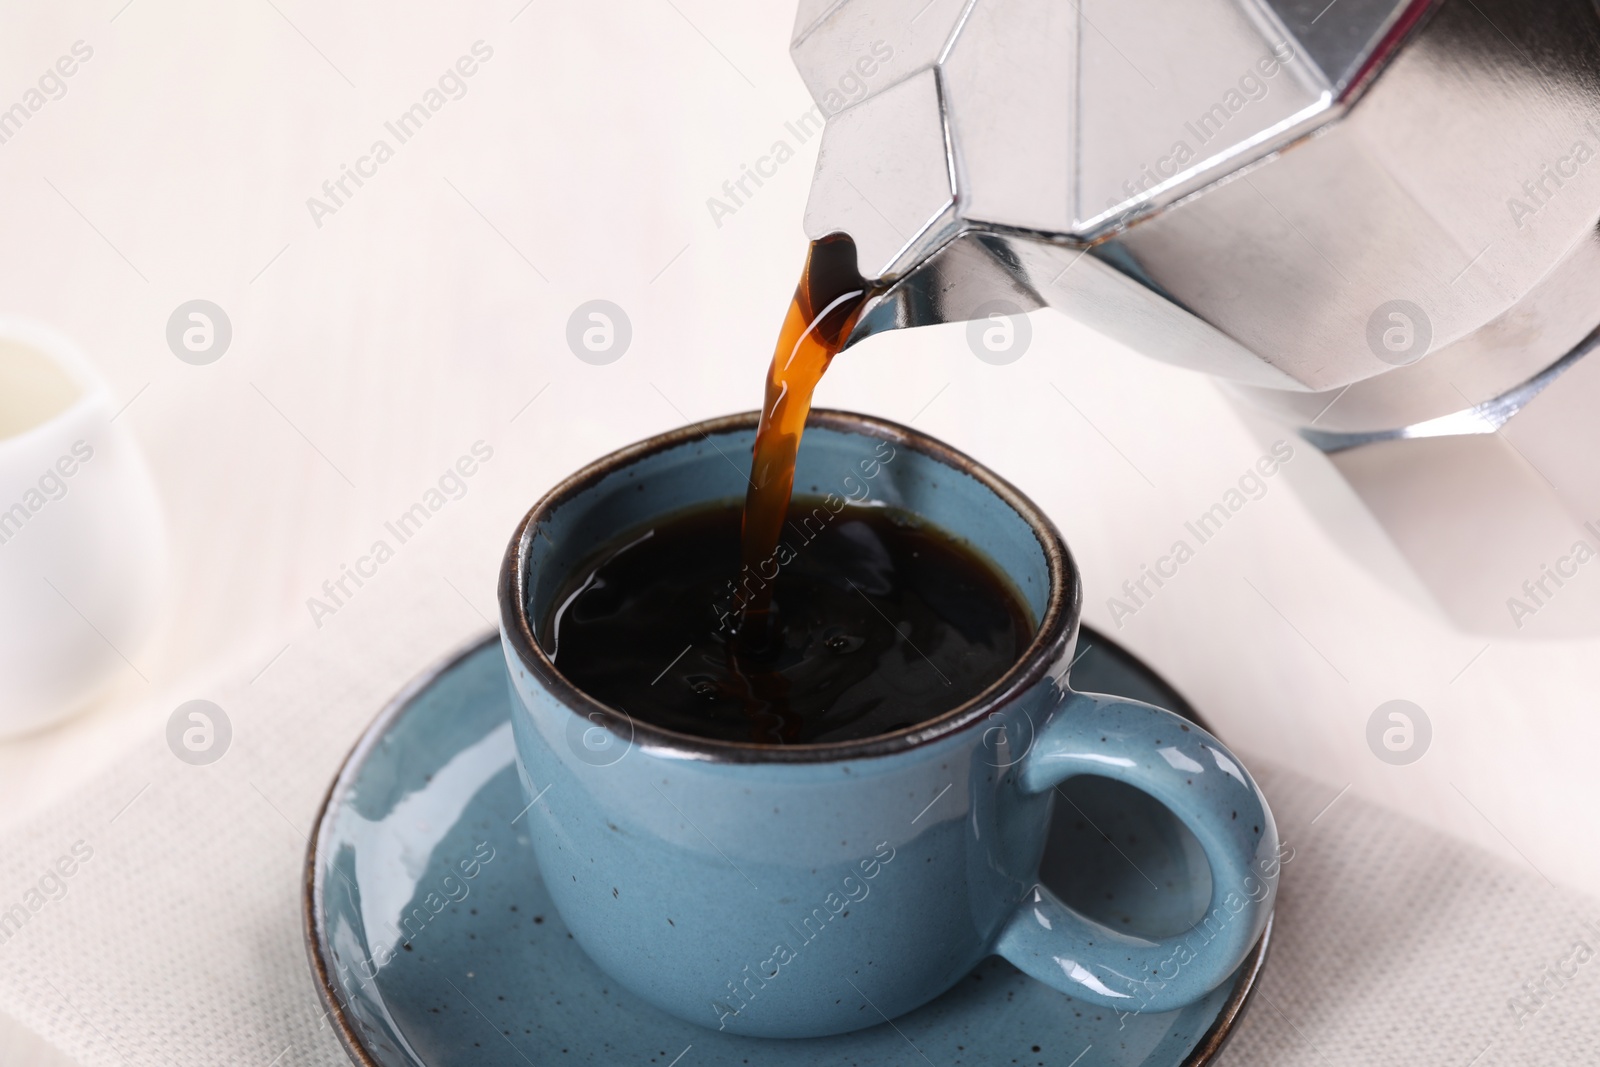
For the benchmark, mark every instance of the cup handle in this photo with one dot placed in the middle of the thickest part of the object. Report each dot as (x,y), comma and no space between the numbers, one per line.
(1200,782)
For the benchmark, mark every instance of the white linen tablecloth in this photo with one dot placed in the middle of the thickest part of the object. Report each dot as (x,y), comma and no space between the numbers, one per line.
(179,940)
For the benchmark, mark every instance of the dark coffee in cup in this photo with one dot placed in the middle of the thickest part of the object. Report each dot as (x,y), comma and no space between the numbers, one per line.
(876,622)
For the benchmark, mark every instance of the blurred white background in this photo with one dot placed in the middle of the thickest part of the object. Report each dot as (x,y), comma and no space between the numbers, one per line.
(429,312)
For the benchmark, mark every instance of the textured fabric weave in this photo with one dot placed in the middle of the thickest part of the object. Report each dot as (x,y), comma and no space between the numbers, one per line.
(178,940)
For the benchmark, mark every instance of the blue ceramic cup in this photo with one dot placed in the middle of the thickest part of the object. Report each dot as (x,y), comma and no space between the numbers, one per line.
(816,889)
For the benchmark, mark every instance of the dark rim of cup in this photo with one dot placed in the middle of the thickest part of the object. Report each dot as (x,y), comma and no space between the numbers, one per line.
(1051,640)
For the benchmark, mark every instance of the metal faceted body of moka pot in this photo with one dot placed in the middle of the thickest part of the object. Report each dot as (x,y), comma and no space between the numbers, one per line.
(1374,219)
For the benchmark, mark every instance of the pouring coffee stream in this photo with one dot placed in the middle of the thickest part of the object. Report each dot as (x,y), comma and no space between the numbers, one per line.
(847,622)
(821,316)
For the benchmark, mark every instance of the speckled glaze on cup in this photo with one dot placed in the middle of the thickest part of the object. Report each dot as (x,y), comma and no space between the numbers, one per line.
(817,889)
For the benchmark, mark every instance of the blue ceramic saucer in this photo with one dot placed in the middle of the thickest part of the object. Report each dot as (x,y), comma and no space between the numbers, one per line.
(433,941)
